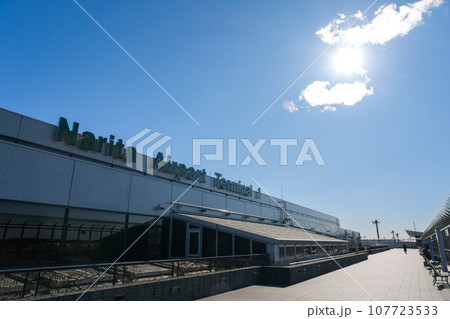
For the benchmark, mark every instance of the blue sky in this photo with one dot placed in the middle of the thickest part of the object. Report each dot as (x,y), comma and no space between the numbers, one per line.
(381,127)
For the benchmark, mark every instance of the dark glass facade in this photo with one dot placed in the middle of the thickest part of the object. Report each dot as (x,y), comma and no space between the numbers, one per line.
(241,246)
(208,242)
(38,235)
(225,244)
(92,236)
(178,238)
(30,234)
(34,235)
(258,247)
(153,244)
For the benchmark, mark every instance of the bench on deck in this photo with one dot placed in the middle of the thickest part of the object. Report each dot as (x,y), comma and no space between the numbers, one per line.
(438,273)
(427,263)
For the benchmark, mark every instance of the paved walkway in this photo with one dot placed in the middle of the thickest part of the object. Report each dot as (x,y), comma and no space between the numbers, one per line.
(388,276)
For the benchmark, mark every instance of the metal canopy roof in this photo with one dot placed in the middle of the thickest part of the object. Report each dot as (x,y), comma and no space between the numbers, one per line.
(413,233)
(441,220)
(263,232)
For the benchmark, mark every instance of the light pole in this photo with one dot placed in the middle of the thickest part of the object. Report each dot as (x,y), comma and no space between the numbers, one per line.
(376,222)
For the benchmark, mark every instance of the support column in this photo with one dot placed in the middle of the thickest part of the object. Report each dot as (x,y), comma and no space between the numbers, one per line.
(217,242)
(232,245)
(441,248)
(169,253)
(430,245)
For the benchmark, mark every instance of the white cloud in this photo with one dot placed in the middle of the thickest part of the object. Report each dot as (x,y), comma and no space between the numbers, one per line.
(358,15)
(388,23)
(290,106)
(328,108)
(318,93)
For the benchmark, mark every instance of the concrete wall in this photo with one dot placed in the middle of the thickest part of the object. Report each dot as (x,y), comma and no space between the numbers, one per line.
(290,275)
(378,250)
(176,289)
(201,286)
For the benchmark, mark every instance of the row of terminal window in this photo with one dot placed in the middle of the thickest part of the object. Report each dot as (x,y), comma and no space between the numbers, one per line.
(305,251)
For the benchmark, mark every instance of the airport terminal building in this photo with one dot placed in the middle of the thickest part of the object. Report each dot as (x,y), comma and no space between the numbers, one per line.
(69,196)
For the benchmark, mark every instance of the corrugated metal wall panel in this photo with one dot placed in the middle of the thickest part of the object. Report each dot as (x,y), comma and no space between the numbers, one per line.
(253,209)
(147,193)
(35,176)
(99,187)
(266,199)
(9,123)
(235,206)
(192,196)
(92,154)
(41,133)
(214,200)
(270,212)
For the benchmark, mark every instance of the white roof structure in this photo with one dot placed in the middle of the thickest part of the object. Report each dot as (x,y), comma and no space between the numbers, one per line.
(274,234)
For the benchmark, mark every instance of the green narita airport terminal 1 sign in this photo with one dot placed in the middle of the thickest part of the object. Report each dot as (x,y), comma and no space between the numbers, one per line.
(116,149)
(178,170)
(234,187)
(109,147)
(88,142)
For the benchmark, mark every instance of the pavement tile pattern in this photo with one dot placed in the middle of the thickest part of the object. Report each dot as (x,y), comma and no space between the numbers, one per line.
(387,276)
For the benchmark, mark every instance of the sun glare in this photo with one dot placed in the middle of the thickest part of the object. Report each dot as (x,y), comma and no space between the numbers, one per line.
(348,60)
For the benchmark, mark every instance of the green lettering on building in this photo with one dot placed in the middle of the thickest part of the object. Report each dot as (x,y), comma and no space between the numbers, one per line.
(63,130)
(179,170)
(108,147)
(234,187)
(87,142)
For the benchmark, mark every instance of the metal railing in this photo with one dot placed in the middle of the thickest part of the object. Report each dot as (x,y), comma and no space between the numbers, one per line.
(30,282)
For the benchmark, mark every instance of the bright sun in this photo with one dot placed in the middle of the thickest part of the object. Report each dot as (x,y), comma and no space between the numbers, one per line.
(348,60)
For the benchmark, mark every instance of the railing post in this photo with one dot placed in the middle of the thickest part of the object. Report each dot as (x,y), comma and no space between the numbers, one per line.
(115,275)
(37,283)
(123,274)
(25,284)
(173,268)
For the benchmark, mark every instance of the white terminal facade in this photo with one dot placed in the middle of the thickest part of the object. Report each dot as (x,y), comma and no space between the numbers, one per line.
(69,196)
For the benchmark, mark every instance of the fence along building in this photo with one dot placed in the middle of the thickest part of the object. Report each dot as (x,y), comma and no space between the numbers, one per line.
(71,198)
